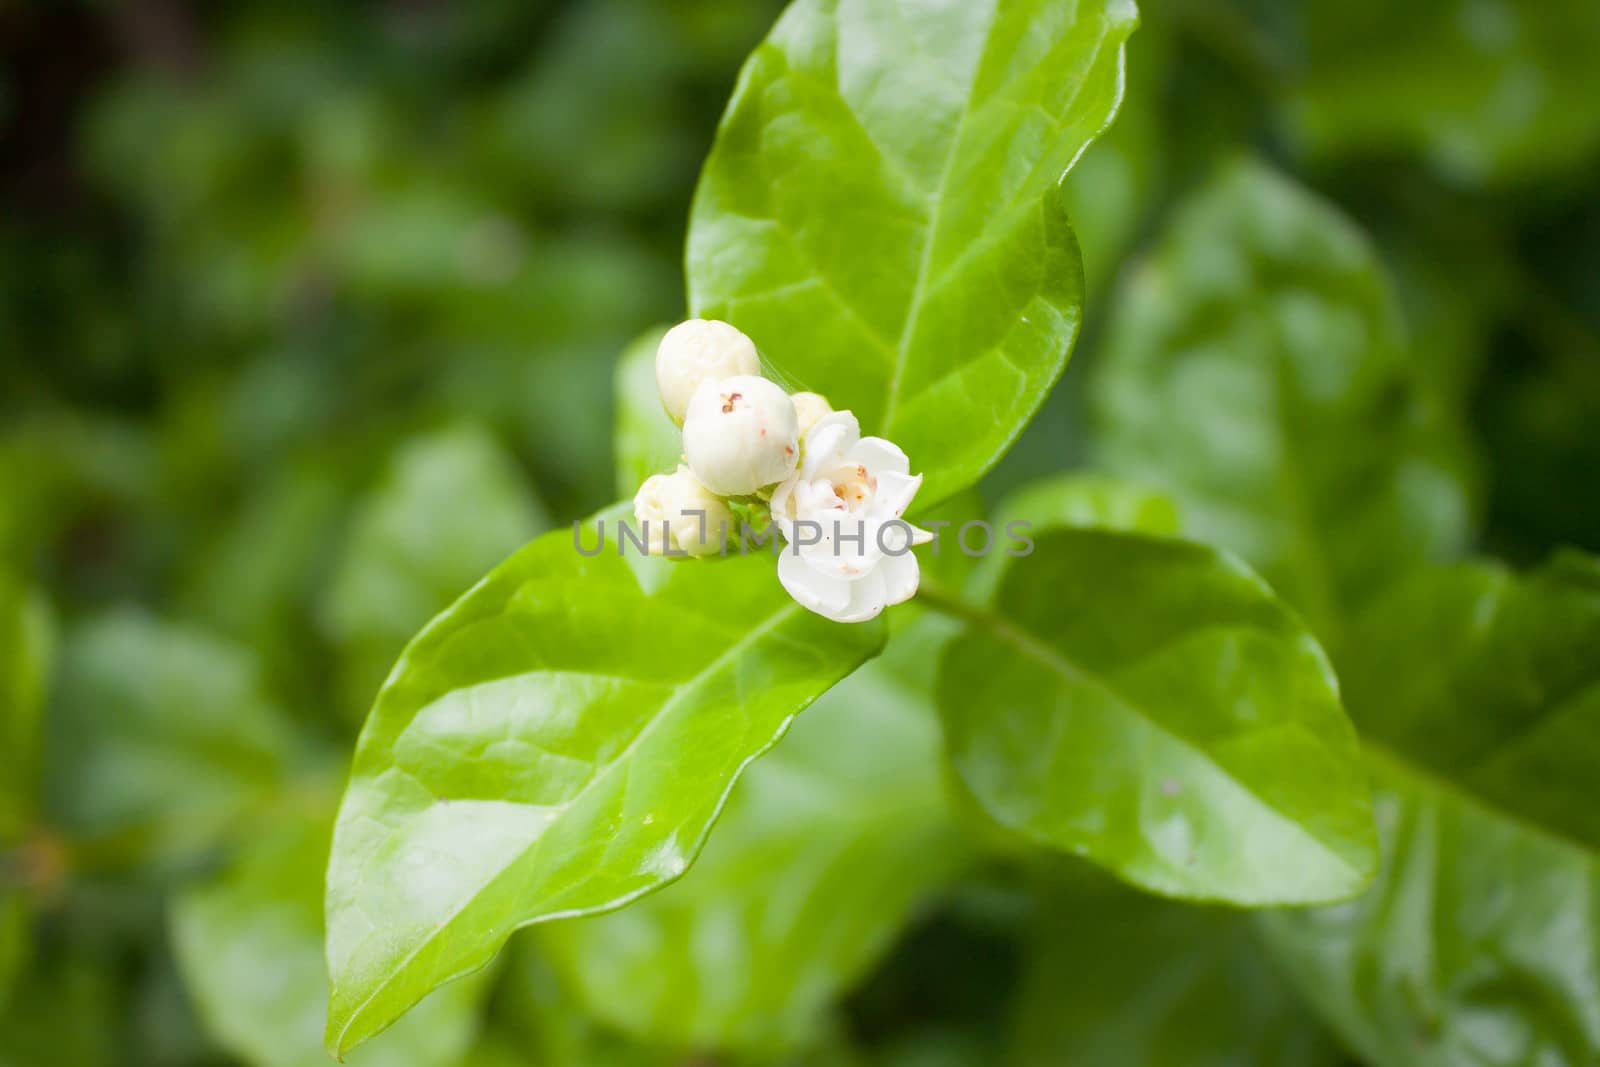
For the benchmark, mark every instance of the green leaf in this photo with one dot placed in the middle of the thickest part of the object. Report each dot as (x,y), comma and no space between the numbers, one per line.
(1485,91)
(451,505)
(1457,282)
(881,211)
(161,736)
(1538,423)
(56,465)
(1255,368)
(25,659)
(1149,704)
(256,579)
(825,850)
(1090,501)
(249,945)
(544,1021)
(557,743)
(646,440)
(1111,190)
(1492,682)
(1116,979)
(1076,500)
(65,1015)
(1480,696)
(16,922)
(1478,944)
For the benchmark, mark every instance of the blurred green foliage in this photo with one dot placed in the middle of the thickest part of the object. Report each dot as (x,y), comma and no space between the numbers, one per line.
(309,315)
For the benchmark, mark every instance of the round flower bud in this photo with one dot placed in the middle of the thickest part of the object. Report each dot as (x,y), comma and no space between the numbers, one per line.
(808,408)
(675,512)
(699,351)
(740,434)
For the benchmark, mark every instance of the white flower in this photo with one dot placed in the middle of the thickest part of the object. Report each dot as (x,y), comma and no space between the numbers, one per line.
(849,552)
(676,505)
(699,351)
(741,434)
(809,407)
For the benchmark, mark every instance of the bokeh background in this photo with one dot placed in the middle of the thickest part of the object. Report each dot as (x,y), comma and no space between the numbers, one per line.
(309,314)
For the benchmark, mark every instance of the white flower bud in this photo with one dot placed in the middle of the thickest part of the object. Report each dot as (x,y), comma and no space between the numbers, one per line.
(677,505)
(849,555)
(808,408)
(699,351)
(740,434)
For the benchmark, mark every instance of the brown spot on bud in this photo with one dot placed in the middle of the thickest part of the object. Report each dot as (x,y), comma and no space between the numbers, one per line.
(728,401)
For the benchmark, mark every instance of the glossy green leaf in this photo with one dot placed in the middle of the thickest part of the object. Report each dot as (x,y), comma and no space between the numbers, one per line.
(1480,695)
(881,211)
(161,736)
(1255,368)
(1480,943)
(1149,704)
(1117,979)
(1484,90)
(249,944)
(646,441)
(826,848)
(1492,682)
(557,743)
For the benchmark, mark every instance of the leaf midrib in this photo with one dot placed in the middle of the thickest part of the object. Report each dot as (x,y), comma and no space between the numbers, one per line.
(921,285)
(925,263)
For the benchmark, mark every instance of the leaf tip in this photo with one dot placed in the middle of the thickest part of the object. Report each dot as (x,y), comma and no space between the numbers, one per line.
(333,1036)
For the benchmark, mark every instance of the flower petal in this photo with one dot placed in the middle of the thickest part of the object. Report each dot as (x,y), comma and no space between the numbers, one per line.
(879,456)
(812,589)
(825,447)
(895,493)
(867,599)
(781,504)
(851,545)
(894,537)
(900,577)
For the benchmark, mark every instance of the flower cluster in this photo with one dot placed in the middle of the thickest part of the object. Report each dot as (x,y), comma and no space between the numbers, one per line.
(748,447)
